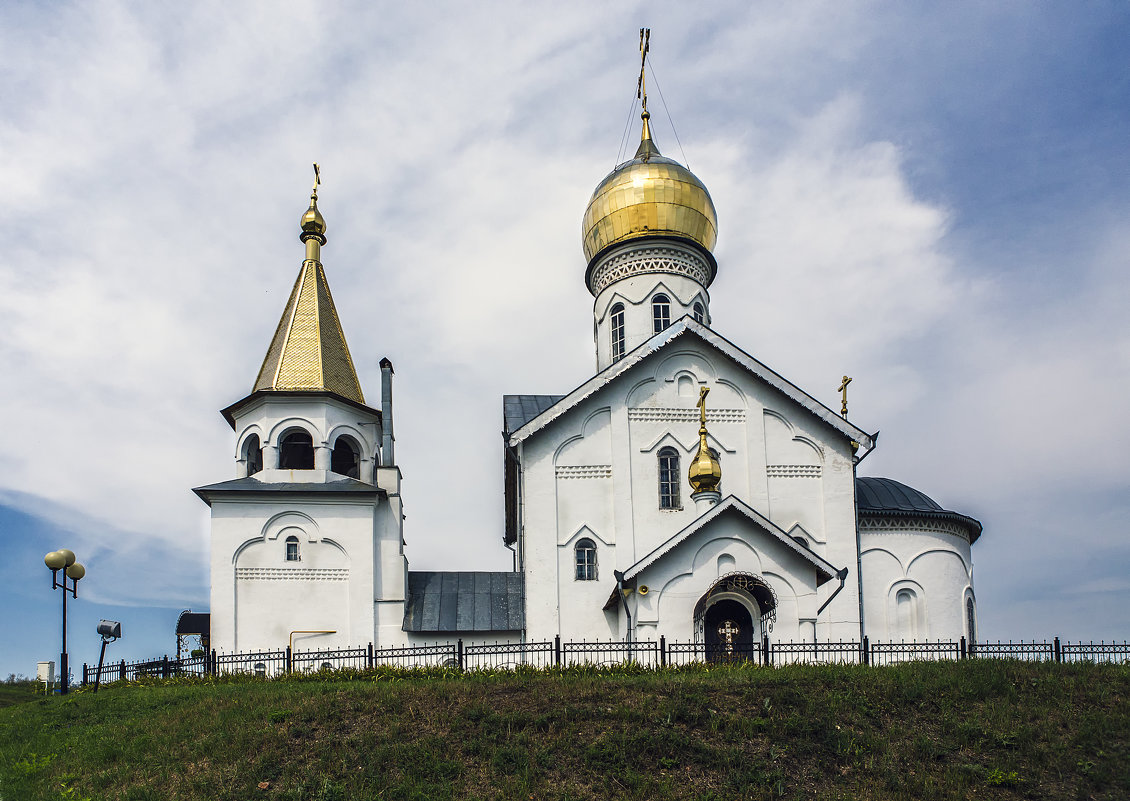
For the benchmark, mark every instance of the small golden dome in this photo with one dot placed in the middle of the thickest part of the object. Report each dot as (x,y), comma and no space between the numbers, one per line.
(312,221)
(705,474)
(649,196)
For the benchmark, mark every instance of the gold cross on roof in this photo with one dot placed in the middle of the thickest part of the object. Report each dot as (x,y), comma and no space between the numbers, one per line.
(702,393)
(843,389)
(317,179)
(645,46)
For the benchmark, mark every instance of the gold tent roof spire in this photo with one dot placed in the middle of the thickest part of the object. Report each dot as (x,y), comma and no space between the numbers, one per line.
(308,352)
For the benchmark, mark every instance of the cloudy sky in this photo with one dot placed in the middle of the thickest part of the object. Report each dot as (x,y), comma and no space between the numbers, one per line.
(932,198)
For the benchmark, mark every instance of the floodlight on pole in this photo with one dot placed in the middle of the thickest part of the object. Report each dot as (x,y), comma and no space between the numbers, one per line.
(109,630)
(64,559)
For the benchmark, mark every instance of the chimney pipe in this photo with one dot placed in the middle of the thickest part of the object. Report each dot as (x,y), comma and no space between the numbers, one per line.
(388,457)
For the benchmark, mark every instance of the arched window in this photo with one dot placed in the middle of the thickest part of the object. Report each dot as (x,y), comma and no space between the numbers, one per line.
(669,479)
(585,553)
(346,458)
(296,451)
(617,331)
(253,455)
(699,313)
(660,312)
(292,549)
(971,621)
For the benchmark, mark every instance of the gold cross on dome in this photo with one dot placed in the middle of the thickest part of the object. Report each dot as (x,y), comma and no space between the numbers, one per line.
(702,393)
(645,46)
(317,179)
(843,389)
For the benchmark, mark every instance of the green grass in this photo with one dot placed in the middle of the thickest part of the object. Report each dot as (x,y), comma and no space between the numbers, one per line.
(978,729)
(15,692)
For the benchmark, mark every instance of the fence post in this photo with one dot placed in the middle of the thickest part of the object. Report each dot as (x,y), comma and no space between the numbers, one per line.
(122,670)
(1058,650)
(165,666)
(215,663)
(866,647)
(765,650)
(83,674)
(961,649)
(289,660)
(370,663)
(663,650)
(459,652)
(557,650)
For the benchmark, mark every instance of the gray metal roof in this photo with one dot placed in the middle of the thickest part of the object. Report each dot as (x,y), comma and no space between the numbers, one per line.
(464,601)
(885,496)
(253,486)
(517,410)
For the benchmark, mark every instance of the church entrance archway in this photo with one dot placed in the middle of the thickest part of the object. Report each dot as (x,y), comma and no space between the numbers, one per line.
(728,631)
(733,616)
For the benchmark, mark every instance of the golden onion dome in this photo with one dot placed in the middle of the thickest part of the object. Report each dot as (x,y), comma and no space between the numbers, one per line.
(649,196)
(312,221)
(705,473)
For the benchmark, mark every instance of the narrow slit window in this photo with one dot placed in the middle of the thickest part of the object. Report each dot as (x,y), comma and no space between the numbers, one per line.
(660,312)
(585,553)
(668,479)
(699,314)
(617,331)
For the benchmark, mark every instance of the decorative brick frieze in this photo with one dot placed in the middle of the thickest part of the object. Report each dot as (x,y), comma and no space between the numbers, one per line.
(644,260)
(910,525)
(651,414)
(793,470)
(584,471)
(291,574)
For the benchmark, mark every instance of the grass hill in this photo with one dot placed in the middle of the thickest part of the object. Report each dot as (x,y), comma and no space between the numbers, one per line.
(974,729)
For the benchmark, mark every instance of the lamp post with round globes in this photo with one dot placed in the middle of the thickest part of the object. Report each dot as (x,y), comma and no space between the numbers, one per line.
(64,560)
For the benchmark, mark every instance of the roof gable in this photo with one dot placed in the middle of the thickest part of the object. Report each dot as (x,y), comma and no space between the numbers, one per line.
(824,570)
(687,326)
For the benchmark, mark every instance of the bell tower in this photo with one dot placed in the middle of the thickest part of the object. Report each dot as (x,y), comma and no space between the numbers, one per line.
(307,539)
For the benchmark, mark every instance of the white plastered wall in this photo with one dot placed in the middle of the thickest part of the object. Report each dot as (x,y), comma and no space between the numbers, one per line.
(927,562)
(613,438)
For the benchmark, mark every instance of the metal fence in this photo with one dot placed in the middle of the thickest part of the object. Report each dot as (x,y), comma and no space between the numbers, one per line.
(647,653)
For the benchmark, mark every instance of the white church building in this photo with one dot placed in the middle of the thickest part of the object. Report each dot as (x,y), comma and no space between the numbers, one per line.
(686,490)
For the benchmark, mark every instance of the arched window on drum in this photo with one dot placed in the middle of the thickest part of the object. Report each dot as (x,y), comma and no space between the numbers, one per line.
(617,331)
(660,312)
